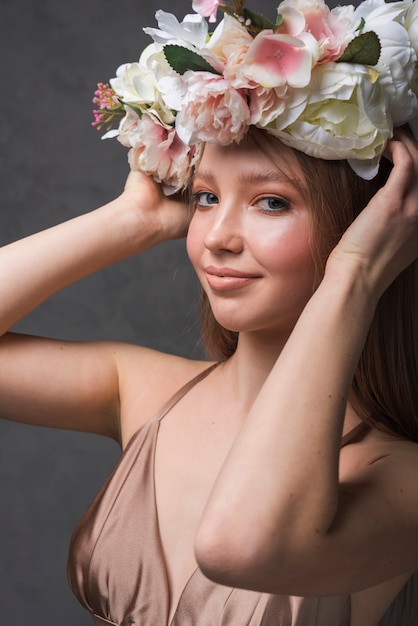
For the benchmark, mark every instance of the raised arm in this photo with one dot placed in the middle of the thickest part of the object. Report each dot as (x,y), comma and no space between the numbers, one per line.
(75,385)
(285,516)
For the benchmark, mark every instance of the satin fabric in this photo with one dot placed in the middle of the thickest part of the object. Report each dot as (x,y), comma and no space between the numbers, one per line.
(116,564)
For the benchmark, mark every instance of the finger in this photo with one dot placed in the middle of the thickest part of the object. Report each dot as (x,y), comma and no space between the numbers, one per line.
(404,156)
(409,141)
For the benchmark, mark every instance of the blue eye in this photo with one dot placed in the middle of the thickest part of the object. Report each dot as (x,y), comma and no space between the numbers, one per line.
(272,204)
(204,199)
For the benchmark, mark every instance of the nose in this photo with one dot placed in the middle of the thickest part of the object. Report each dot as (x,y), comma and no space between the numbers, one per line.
(225,231)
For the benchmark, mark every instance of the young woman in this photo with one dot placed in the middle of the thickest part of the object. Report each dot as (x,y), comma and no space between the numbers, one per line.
(277,483)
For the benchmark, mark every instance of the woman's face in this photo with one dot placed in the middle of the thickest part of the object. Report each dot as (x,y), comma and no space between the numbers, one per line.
(249,238)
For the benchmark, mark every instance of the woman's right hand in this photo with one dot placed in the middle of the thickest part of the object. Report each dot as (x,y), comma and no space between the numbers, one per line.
(172,214)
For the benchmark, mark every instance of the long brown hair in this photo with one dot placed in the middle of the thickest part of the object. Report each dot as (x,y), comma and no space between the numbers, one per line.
(385,386)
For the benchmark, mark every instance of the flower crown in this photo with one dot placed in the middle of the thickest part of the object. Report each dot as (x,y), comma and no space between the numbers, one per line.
(331,83)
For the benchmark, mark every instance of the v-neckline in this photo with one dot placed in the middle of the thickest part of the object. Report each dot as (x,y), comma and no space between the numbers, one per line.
(172,608)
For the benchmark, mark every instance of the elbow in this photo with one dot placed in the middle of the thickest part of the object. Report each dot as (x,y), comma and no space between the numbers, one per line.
(232,557)
(263,558)
(222,559)
(265,548)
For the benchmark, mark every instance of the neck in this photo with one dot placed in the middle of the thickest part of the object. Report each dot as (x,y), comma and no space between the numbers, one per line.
(247,370)
(252,362)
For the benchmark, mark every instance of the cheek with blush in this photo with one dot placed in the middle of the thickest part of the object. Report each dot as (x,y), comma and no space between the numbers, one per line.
(289,260)
(291,249)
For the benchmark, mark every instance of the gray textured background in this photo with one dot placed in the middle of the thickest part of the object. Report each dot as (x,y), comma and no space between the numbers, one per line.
(53,166)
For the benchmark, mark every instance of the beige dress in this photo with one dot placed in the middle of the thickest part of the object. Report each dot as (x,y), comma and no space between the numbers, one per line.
(116,564)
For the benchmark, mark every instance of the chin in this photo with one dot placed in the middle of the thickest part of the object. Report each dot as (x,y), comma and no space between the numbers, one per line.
(240,324)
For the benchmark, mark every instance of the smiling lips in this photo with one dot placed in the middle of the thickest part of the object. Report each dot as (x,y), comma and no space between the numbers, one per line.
(226,278)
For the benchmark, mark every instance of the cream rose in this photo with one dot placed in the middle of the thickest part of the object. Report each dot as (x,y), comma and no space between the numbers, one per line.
(344,117)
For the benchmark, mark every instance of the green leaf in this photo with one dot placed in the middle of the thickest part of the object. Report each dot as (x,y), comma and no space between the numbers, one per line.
(362,24)
(258,21)
(364,49)
(182,59)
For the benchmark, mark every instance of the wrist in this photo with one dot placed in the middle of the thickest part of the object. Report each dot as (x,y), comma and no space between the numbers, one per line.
(347,285)
(138,229)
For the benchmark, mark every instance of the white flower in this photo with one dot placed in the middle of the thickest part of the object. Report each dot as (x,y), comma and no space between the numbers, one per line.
(190,33)
(285,79)
(344,117)
(173,89)
(136,82)
(136,85)
(154,63)
(131,84)
(411,25)
(398,57)
(377,9)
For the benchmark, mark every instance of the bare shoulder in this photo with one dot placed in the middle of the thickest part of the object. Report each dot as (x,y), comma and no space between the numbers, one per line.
(118,385)
(385,467)
(373,536)
(381,450)
(389,462)
(147,379)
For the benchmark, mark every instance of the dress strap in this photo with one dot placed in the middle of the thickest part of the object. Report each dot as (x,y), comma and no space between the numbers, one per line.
(355,432)
(101,621)
(183,391)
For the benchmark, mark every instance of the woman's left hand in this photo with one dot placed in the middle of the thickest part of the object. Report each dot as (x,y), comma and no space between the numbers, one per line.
(383,240)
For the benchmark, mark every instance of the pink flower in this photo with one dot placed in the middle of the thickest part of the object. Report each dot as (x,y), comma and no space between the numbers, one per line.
(266,104)
(109,108)
(206,8)
(274,60)
(333,30)
(212,111)
(158,151)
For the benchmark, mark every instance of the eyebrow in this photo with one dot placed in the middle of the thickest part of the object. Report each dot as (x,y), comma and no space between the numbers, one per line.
(265,176)
(252,177)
